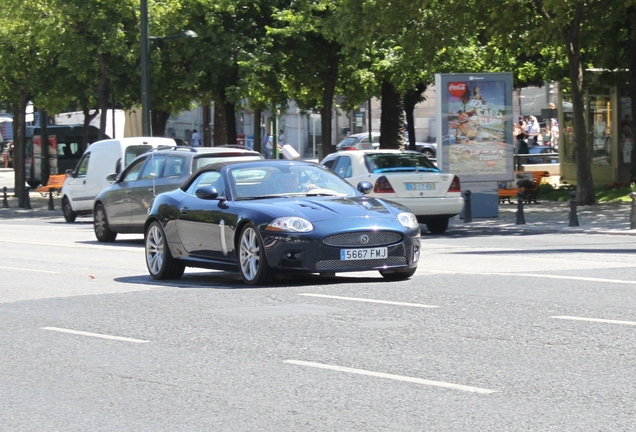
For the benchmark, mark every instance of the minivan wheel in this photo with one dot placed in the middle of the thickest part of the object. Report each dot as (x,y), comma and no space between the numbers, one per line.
(160,262)
(100,224)
(69,214)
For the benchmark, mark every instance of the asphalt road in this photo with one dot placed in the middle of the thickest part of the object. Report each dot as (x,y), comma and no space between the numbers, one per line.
(493,333)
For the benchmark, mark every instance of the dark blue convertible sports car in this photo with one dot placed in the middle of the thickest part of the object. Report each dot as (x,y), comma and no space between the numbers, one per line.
(269,216)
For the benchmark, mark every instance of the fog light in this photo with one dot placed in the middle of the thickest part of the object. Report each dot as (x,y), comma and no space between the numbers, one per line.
(416,253)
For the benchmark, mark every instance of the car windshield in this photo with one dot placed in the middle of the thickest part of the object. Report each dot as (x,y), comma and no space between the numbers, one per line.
(400,162)
(275,180)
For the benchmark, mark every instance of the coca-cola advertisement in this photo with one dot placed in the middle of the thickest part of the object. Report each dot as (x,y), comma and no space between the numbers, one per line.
(476,129)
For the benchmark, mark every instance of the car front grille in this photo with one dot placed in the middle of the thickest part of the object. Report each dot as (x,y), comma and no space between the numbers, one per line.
(341,265)
(374,238)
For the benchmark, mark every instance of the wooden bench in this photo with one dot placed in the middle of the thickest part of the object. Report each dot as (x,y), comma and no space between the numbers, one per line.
(54,185)
(526,181)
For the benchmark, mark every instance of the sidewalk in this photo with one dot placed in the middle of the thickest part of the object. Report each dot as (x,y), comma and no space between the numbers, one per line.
(551,217)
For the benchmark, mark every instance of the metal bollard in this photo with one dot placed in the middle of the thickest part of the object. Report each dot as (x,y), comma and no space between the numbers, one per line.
(51,205)
(574,220)
(632,217)
(521,220)
(5,202)
(27,198)
(468,211)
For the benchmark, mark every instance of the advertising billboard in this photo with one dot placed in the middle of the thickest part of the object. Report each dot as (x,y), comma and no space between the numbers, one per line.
(474,120)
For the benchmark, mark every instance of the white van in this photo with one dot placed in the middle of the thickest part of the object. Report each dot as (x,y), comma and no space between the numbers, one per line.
(101,159)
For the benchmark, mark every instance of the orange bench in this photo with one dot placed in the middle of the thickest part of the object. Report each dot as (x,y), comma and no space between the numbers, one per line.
(54,185)
(526,181)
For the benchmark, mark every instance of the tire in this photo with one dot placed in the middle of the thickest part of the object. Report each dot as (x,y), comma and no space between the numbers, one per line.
(69,214)
(100,224)
(399,275)
(437,225)
(252,260)
(429,153)
(159,261)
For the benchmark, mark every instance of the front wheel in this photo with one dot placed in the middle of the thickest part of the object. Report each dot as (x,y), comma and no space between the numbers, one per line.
(69,214)
(252,260)
(100,224)
(160,262)
(399,275)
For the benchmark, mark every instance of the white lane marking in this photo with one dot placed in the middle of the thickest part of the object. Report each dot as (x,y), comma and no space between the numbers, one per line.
(97,335)
(74,244)
(28,270)
(393,377)
(573,318)
(616,281)
(370,300)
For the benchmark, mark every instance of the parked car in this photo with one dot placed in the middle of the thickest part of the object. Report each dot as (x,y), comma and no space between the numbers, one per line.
(359,142)
(406,177)
(262,217)
(123,206)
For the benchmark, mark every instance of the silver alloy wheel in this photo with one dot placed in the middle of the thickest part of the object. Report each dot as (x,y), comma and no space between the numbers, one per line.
(249,254)
(100,222)
(155,244)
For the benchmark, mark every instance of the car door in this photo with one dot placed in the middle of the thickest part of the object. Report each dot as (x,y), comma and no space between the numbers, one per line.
(146,188)
(76,186)
(205,226)
(118,200)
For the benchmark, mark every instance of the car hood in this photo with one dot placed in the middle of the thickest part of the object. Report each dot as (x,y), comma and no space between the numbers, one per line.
(325,208)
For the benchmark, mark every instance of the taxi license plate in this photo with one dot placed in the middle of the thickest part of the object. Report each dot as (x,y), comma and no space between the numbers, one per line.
(362,254)
(420,186)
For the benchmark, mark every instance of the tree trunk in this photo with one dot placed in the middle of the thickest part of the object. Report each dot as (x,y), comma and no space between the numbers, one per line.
(88,118)
(230,118)
(584,183)
(257,130)
(159,119)
(330,79)
(19,134)
(391,119)
(220,122)
(412,98)
(631,63)
(102,96)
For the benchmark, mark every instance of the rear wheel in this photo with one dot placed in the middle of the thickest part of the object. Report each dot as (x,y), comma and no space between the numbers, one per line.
(100,224)
(437,225)
(160,262)
(69,214)
(399,275)
(252,260)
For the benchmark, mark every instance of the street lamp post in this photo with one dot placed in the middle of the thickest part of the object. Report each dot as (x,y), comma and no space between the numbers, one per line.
(146,129)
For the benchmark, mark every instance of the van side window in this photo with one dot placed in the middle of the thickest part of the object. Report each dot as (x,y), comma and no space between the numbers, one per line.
(82,166)
(153,167)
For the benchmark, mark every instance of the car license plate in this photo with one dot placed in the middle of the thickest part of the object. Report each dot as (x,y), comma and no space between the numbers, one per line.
(362,254)
(420,186)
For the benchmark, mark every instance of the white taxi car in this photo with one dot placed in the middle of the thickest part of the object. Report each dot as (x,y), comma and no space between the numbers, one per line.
(406,177)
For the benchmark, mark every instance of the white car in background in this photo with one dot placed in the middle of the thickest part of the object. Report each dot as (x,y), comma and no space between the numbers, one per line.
(406,177)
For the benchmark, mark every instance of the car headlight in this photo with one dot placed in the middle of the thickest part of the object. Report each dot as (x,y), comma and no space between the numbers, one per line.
(408,220)
(290,224)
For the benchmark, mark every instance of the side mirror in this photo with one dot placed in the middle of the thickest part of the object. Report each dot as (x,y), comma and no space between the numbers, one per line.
(112,178)
(69,172)
(207,193)
(365,187)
